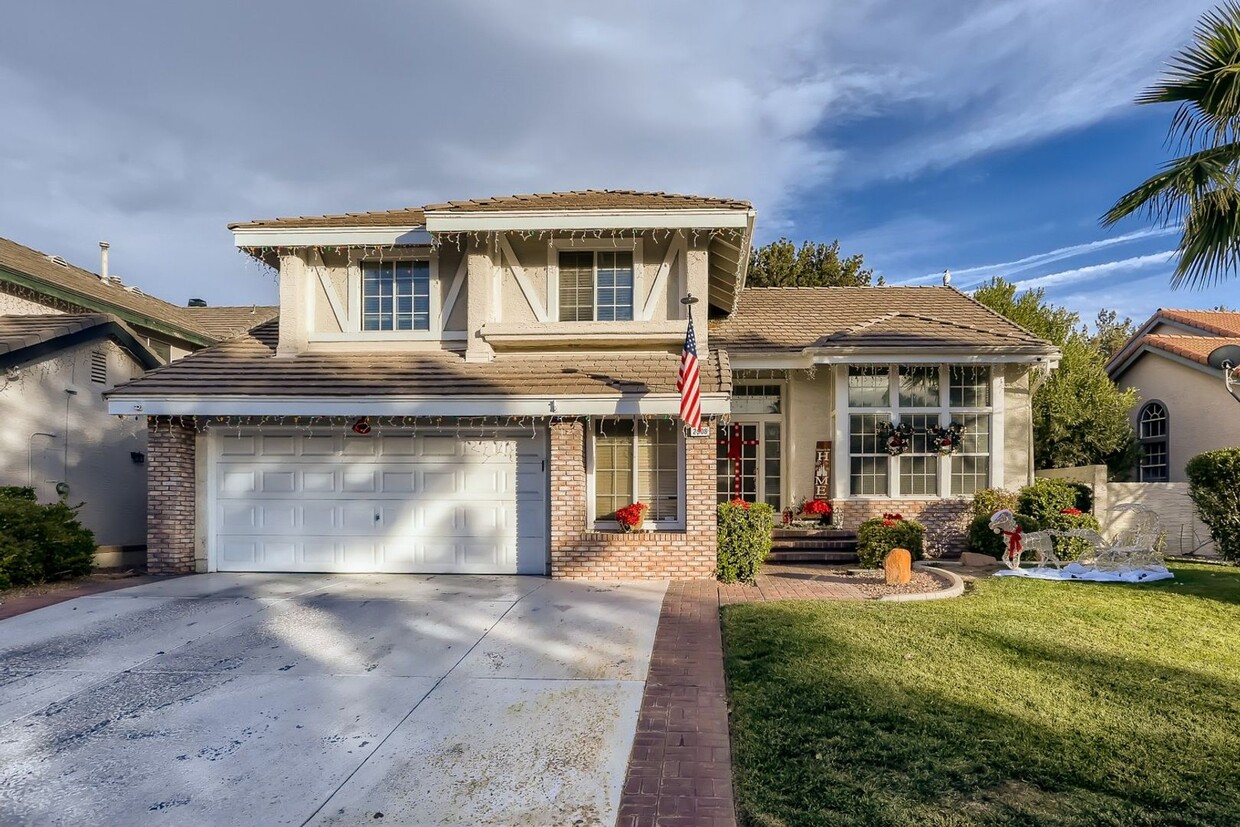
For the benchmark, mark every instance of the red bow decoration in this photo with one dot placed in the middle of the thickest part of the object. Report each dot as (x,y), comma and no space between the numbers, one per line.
(1015,545)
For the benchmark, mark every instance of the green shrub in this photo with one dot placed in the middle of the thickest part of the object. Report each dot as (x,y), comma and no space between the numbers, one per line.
(744,540)
(1071,548)
(989,500)
(878,536)
(1214,485)
(40,542)
(983,539)
(1046,497)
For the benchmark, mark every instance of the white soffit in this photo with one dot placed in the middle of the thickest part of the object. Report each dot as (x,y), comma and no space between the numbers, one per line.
(487,221)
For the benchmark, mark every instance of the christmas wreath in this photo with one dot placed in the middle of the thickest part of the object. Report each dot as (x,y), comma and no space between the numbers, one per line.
(896,437)
(947,440)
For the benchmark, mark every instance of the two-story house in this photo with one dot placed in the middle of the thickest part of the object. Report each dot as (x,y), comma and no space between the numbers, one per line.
(478,386)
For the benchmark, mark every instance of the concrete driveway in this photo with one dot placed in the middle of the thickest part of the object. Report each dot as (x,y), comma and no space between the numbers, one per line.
(303,699)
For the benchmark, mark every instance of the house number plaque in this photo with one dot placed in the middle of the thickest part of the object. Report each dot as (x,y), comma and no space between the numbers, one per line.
(822,471)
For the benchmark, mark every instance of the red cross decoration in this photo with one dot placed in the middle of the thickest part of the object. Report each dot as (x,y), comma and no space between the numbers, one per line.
(736,446)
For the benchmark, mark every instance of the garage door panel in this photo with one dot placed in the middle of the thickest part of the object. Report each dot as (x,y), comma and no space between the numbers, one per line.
(393,502)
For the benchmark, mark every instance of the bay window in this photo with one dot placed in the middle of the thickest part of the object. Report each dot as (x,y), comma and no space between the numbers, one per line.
(637,461)
(919,400)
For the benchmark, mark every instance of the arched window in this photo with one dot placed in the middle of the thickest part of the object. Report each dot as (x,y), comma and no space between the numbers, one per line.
(1152,434)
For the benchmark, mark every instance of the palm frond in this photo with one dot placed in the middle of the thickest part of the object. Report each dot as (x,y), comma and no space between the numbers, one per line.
(1205,78)
(1168,196)
(1208,250)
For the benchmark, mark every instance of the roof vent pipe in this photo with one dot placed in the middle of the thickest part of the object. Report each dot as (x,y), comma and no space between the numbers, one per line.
(197,303)
(103,260)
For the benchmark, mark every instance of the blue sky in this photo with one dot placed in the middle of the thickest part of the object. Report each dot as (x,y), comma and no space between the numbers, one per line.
(965,134)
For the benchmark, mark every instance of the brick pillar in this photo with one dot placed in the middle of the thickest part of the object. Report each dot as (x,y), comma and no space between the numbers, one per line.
(170,496)
(568,485)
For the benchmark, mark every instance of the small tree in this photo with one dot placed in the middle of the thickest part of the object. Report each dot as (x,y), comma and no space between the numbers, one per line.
(1214,485)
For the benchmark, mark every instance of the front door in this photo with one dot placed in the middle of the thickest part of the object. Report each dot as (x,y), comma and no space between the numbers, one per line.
(748,461)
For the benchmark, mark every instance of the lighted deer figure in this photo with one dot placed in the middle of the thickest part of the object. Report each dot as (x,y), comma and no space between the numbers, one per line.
(1004,522)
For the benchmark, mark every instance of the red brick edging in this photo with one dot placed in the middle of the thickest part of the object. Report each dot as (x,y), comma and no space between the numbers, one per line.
(680,771)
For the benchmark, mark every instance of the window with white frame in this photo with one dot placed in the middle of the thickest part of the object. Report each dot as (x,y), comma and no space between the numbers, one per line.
(596,285)
(396,295)
(924,398)
(637,461)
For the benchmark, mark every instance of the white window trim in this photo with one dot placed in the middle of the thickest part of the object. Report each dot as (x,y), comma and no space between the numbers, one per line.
(557,245)
(761,419)
(612,525)
(895,413)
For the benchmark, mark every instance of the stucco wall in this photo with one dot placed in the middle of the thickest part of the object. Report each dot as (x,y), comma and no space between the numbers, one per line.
(11,305)
(94,459)
(809,421)
(1202,417)
(1017,429)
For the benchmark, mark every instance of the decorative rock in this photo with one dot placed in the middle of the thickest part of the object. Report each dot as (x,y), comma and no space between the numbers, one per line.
(981,561)
(898,566)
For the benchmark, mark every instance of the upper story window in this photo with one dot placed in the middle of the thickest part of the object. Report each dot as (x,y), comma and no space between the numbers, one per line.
(596,285)
(1152,432)
(924,398)
(396,295)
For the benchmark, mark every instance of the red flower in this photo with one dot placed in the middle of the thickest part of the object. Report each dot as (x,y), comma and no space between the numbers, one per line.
(891,519)
(817,508)
(739,503)
(632,515)
(1073,511)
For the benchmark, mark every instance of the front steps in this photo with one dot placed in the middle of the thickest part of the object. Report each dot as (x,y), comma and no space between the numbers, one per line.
(795,545)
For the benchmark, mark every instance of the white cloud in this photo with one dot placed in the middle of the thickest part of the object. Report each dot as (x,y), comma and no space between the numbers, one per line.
(1084,275)
(155,128)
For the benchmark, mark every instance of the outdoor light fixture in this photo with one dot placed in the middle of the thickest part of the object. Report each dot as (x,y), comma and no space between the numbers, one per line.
(1227,359)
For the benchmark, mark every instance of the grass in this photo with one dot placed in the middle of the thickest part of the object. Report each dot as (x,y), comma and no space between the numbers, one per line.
(1022,703)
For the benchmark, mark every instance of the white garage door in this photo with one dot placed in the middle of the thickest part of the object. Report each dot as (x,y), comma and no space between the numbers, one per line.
(386,502)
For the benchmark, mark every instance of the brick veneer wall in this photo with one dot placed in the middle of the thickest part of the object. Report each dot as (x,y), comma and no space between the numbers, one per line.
(577,552)
(170,497)
(946,521)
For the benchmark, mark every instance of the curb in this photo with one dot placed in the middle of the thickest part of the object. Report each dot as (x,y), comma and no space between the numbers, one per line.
(954,589)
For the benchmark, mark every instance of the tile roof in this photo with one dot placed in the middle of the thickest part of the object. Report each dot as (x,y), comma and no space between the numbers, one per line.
(790,319)
(1218,322)
(90,292)
(573,200)
(225,322)
(1196,348)
(246,365)
(26,332)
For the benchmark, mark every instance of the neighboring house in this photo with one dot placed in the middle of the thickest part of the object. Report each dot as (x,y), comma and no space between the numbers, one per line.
(66,336)
(1184,407)
(478,386)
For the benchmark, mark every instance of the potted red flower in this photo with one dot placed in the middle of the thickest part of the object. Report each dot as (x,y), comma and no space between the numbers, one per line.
(816,509)
(632,516)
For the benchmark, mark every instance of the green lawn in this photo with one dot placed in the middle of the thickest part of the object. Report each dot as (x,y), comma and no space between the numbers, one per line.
(1023,703)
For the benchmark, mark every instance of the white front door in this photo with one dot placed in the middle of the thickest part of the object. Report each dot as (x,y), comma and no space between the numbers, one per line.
(390,501)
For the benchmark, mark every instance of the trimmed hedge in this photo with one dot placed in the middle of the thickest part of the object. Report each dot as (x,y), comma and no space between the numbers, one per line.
(989,500)
(744,540)
(876,537)
(1214,485)
(1046,498)
(40,542)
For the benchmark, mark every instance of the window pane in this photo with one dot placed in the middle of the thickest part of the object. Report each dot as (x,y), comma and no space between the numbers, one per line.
(613,467)
(756,399)
(970,474)
(658,478)
(615,286)
(862,438)
(576,287)
(976,438)
(919,475)
(1153,421)
(969,386)
(868,387)
(771,448)
(919,387)
(396,295)
(920,442)
(869,475)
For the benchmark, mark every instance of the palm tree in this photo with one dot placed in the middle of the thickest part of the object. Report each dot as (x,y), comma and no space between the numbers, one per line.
(1199,191)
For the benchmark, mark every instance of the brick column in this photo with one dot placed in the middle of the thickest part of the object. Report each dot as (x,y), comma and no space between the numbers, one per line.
(578,551)
(170,496)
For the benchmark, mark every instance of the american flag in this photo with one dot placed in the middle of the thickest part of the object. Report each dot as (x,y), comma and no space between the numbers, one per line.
(689,382)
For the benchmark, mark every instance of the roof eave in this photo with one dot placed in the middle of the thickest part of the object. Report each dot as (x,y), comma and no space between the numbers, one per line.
(448,221)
